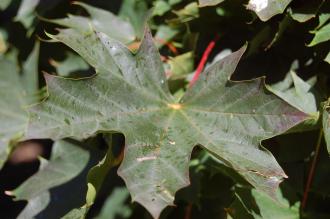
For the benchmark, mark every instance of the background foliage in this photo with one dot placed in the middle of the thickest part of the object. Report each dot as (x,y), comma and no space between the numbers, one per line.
(288,42)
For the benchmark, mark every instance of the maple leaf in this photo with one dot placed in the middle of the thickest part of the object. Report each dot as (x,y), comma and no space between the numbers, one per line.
(129,94)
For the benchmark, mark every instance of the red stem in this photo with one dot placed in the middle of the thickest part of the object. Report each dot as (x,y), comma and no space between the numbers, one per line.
(312,171)
(203,60)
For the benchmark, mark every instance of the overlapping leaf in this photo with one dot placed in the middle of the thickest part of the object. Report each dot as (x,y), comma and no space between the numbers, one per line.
(298,93)
(130,95)
(16,93)
(12,115)
(321,35)
(99,20)
(326,125)
(266,207)
(67,161)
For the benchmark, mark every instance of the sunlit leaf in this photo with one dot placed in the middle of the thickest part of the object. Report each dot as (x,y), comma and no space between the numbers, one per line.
(265,9)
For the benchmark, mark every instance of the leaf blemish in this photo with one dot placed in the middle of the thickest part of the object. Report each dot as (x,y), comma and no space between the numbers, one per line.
(175,106)
(141,159)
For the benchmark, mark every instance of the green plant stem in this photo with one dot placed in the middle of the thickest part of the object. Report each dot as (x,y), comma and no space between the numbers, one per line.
(312,170)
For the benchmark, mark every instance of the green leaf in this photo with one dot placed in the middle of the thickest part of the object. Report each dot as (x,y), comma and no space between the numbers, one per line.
(323,18)
(136,11)
(280,208)
(203,3)
(307,11)
(30,76)
(12,115)
(275,209)
(188,13)
(130,95)
(115,205)
(265,9)
(3,41)
(71,64)
(297,92)
(327,58)
(160,7)
(321,35)
(4,4)
(26,12)
(181,65)
(16,93)
(99,20)
(164,34)
(66,162)
(326,126)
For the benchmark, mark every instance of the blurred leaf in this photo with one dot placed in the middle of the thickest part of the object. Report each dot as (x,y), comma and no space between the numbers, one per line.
(115,205)
(4,4)
(71,64)
(16,91)
(307,11)
(3,43)
(323,18)
(282,27)
(27,12)
(188,13)
(181,65)
(203,3)
(266,207)
(136,11)
(275,209)
(164,34)
(265,9)
(30,76)
(160,7)
(101,21)
(297,92)
(66,162)
(12,115)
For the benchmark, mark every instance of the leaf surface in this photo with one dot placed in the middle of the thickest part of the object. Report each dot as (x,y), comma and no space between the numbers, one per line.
(26,12)
(203,3)
(16,91)
(12,115)
(265,9)
(99,20)
(130,95)
(300,95)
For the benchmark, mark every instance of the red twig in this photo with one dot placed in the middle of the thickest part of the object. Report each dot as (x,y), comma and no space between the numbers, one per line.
(168,44)
(203,60)
(188,211)
(312,170)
